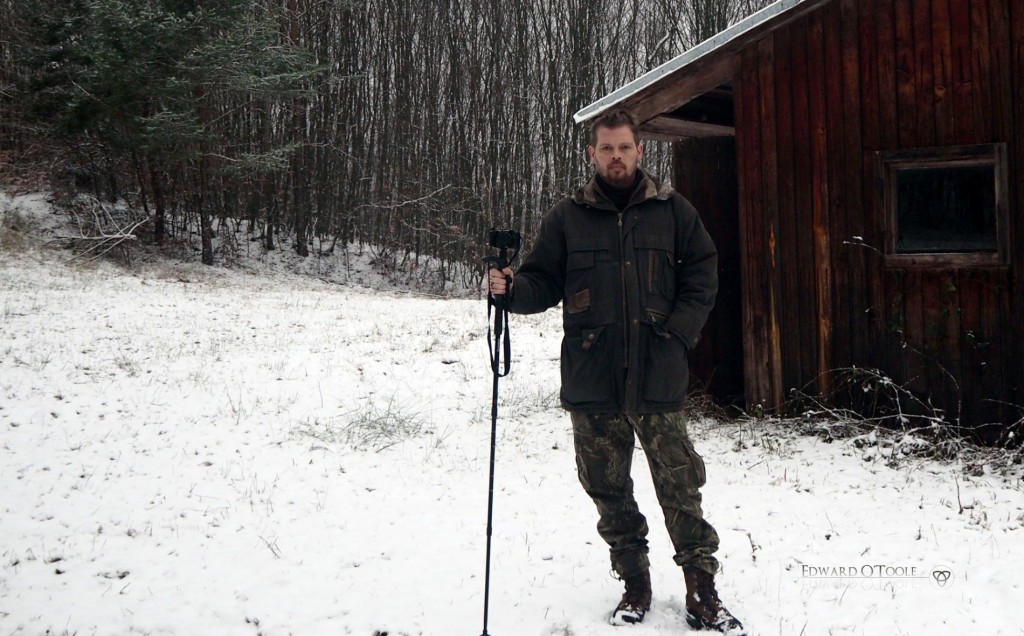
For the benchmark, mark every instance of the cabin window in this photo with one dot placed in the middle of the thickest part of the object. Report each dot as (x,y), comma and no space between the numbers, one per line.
(945,205)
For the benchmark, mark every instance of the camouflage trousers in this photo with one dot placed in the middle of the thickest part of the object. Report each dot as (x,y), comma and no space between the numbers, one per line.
(604,456)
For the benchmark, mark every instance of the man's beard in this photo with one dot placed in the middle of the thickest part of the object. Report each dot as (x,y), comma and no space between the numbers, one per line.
(619,178)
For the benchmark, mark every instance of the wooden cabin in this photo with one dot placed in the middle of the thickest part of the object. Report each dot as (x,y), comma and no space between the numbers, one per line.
(860,164)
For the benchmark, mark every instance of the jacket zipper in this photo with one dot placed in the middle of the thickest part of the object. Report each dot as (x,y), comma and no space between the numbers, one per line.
(625,301)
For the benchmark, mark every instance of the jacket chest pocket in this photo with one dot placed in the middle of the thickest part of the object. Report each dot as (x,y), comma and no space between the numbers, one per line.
(589,282)
(657,265)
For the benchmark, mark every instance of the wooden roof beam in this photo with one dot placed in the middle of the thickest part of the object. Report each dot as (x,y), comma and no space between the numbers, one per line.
(674,129)
(705,75)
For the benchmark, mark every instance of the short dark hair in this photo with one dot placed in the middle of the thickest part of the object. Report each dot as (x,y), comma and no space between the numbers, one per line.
(615,118)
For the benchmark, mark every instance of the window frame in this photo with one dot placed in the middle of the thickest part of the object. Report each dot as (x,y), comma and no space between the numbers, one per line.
(890,162)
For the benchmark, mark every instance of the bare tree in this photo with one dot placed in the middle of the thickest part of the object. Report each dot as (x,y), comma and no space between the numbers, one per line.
(410,128)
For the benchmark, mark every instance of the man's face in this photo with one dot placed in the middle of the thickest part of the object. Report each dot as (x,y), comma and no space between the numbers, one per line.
(616,155)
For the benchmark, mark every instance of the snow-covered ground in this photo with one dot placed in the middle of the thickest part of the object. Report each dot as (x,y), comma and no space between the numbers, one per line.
(192,450)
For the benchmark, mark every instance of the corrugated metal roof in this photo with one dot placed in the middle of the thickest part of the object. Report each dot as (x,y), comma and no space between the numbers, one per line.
(694,54)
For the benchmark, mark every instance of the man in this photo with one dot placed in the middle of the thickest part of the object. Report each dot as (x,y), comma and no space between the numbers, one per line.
(637,273)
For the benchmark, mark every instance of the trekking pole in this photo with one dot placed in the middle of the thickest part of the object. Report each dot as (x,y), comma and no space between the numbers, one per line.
(504,240)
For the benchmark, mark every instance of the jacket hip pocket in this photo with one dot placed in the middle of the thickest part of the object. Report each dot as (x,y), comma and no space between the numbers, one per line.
(587,367)
(667,373)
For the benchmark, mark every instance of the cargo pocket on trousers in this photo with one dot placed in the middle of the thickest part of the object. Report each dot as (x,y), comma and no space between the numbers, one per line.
(700,474)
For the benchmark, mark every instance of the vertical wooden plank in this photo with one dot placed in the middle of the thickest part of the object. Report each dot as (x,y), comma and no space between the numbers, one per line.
(941,301)
(944,315)
(1015,373)
(770,209)
(929,337)
(882,13)
(820,191)
(906,80)
(981,68)
(942,71)
(923,74)
(789,236)
(963,107)
(754,243)
(871,77)
(856,321)
(916,379)
(980,375)
(873,81)
(894,285)
(1001,79)
(951,294)
(803,202)
(1006,92)
(1009,351)
(995,356)
(898,122)
(971,348)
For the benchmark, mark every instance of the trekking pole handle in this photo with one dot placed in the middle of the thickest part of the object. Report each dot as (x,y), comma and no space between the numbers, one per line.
(500,263)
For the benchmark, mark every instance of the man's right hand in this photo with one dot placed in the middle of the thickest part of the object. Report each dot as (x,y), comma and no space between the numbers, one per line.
(496,281)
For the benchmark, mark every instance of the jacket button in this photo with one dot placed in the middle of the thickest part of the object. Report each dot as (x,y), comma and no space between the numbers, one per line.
(628,263)
(636,322)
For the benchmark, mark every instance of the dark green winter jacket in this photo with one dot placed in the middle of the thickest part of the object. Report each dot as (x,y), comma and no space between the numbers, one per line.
(637,287)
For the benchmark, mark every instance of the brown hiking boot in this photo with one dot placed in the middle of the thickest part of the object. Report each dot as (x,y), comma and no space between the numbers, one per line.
(704,610)
(636,600)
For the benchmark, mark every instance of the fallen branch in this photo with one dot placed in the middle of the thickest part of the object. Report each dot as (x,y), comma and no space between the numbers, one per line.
(98,237)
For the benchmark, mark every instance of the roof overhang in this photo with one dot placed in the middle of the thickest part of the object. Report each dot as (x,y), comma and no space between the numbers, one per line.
(658,97)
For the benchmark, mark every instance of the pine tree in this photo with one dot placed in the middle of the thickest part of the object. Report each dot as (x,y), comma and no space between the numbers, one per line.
(149,81)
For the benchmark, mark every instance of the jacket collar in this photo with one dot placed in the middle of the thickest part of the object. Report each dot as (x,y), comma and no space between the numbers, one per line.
(648,188)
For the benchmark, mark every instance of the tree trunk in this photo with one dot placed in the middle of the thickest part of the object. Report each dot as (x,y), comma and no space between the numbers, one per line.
(269,191)
(299,198)
(205,220)
(159,223)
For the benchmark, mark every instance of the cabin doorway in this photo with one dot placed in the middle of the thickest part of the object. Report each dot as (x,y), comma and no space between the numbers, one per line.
(706,174)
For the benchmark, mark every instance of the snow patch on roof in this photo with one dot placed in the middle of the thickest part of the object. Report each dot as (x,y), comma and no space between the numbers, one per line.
(697,52)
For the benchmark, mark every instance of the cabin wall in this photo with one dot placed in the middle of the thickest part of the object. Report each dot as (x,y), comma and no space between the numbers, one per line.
(815,101)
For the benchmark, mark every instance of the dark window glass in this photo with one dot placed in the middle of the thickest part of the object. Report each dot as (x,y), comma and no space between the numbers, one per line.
(947,209)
